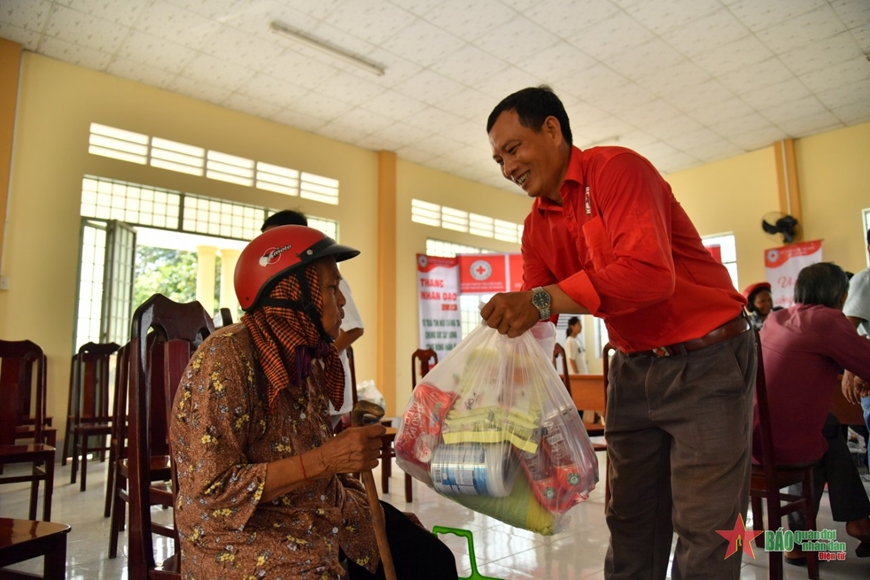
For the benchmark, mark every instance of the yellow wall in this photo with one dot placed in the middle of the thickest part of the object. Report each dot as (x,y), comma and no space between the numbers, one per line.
(58,101)
(732,195)
(416,182)
(834,174)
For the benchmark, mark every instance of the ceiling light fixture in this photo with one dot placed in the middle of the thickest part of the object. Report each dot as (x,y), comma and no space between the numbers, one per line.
(326,48)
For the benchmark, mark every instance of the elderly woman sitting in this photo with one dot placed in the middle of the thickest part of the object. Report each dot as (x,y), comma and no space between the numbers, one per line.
(263,485)
(804,347)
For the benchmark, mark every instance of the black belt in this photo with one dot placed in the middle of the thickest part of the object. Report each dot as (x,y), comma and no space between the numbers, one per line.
(728,330)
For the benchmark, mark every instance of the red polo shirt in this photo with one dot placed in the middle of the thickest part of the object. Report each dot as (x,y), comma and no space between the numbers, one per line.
(627,252)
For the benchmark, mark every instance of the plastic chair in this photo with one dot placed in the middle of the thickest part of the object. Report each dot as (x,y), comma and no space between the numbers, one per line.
(768,479)
(90,423)
(154,374)
(22,540)
(472,559)
(18,359)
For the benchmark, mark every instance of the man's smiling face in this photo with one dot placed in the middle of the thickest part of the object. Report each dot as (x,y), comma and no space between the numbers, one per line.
(531,159)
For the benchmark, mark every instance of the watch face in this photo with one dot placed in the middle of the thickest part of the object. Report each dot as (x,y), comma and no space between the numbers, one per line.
(541,299)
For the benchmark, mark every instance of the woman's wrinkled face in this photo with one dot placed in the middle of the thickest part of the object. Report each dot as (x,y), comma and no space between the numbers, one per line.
(763,303)
(333,299)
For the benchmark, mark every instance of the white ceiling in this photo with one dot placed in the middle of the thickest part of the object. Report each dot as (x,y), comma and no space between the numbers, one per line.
(684,82)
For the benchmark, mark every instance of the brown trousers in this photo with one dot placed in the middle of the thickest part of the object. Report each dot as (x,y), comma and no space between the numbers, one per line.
(679,432)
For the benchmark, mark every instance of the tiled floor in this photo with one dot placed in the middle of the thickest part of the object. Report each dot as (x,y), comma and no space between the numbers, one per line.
(503,552)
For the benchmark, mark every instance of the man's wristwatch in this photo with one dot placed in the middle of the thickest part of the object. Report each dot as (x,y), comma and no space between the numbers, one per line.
(541,301)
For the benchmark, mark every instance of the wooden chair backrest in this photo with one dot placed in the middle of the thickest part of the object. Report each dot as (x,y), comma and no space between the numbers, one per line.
(89,387)
(223,318)
(156,366)
(424,359)
(559,352)
(763,405)
(119,405)
(20,385)
(352,364)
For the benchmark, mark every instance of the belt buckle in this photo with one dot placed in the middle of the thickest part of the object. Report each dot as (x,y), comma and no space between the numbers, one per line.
(661,351)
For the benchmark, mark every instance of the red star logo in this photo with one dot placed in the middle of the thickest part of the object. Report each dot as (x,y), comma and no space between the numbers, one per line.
(739,536)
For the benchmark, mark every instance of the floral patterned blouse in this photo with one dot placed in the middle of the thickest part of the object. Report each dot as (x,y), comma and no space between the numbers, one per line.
(222,438)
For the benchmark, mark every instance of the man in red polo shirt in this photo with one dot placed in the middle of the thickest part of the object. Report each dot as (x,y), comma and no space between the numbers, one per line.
(606,236)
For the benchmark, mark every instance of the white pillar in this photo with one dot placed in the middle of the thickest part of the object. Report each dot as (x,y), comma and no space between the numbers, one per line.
(228,290)
(205,260)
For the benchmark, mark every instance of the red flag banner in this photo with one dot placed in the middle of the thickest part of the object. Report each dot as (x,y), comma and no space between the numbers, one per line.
(716,252)
(516,272)
(482,273)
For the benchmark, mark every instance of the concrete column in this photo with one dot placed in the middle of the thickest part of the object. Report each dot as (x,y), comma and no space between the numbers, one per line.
(205,259)
(387,365)
(228,292)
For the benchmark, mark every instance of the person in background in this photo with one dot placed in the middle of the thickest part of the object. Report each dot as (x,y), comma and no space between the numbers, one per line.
(351,325)
(574,347)
(265,489)
(804,347)
(606,236)
(759,303)
(857,310)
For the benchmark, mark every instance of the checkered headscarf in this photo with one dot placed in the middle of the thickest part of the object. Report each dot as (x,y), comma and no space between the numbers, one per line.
(287,340)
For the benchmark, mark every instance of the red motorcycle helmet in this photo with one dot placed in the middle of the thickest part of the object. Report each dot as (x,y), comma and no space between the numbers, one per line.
(750,292)
(276,253)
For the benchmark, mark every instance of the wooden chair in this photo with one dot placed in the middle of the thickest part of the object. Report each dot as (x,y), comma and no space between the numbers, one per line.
(118,442)
(767,481)
(422,361)
(587,391)
(16,376)
(559,353)
(118,476)
(342,425)
(90,424)
(223,318)
(22,540)
(154,374)
(24,429)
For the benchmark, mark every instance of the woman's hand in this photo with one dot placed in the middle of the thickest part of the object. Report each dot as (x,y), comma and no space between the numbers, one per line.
(354,449)
(854,388)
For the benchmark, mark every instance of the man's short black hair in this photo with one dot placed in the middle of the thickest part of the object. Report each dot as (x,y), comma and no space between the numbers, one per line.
(868,237)
(287,217)
(823,283)
(533,105)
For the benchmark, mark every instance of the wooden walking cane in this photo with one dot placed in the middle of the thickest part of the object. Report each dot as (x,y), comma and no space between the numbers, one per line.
(360,410)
